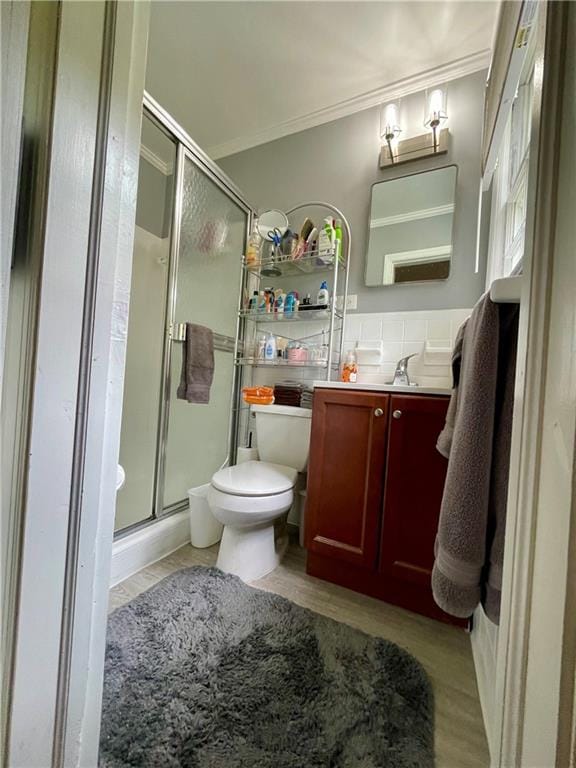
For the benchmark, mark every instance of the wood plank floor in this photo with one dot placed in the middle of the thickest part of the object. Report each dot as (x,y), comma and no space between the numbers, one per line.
(444,651)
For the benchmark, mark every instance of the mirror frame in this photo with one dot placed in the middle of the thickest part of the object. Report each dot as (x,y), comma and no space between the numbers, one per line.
(442,280)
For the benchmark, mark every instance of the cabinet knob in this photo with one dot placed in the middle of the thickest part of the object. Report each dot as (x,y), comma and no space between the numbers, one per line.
(378,412)
(396,414)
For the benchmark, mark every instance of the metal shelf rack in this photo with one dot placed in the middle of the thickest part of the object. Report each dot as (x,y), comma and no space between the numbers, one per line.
(267,269)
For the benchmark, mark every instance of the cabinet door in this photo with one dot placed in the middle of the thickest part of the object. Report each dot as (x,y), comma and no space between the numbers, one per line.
(415,477)
(346,475)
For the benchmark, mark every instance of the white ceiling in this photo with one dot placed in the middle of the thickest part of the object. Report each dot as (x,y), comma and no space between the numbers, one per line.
(235,74)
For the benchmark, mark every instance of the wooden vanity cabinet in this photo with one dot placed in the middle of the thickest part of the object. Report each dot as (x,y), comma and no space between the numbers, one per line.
(345,475)
(375,482)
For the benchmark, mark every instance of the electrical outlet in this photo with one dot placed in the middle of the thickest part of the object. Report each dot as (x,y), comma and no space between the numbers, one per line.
(351,301)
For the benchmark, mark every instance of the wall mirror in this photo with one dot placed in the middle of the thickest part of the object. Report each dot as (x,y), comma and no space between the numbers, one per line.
(411,228)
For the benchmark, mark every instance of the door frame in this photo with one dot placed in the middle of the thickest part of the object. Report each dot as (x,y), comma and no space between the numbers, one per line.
(69,478)
(536,663)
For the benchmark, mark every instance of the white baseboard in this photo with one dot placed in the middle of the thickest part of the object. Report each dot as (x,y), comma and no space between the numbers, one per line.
(484,640)
(144,547)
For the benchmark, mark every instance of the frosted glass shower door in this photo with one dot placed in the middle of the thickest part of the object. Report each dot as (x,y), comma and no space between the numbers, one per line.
(212,235)
(144,355)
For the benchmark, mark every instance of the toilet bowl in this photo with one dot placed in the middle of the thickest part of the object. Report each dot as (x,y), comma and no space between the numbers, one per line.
(249,497)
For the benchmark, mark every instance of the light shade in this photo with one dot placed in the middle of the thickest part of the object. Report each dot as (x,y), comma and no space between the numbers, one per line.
(389,122)
(435,113)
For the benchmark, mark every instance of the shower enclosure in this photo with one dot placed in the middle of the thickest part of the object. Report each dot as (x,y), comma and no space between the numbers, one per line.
(191,230)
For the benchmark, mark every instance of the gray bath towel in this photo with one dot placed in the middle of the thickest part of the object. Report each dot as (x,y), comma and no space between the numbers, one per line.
(197,365)
(444,442)
(469,544)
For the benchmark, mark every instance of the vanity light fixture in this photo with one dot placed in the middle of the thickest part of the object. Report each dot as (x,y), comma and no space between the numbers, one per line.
(433,142)
(389,128)
(435,115)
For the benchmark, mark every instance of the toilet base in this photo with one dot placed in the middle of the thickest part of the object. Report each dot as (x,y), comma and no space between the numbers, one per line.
(249,553)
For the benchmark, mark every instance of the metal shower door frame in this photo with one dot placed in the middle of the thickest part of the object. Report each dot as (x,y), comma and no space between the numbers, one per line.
(187,149)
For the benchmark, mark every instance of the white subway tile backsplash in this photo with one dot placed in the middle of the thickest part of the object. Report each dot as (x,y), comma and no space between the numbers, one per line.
(388,370)
(438,327)
(438,371)
(415,328)
(353,328)
(370,378)
(412,348)
(371,329)
(392,330)
(406,333)
(456,321)
(391,351)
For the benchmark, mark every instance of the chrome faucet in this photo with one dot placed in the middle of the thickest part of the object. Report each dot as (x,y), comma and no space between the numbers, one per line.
(401,378)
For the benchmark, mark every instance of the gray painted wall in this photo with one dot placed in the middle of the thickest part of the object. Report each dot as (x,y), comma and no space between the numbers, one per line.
(338,162)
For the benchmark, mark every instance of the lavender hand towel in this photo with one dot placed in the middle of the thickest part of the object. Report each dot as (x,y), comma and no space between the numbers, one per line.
(197,365)
(469,544)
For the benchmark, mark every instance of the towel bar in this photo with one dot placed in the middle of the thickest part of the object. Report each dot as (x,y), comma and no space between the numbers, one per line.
(221,343)
(506,290)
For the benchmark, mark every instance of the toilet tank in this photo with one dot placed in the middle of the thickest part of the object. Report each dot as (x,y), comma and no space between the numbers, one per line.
(283,434)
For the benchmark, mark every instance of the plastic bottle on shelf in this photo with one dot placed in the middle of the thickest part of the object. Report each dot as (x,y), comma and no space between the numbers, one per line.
(269,300)
(260,346)
(324,348)
(279,303)
(338,239)
(323,294)
(254,242)
(326,242)
(350,368)
(270,349)
(253,303)
(289,303)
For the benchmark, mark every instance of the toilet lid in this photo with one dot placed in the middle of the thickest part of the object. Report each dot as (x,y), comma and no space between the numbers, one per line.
(255,478)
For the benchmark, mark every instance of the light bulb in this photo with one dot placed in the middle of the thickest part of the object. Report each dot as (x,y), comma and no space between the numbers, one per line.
(435,108)
(389,128)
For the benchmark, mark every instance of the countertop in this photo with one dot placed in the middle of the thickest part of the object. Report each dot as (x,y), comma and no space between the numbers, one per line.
(382,388)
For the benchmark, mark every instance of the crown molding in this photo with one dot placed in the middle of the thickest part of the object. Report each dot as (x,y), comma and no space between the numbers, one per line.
(161,165)
(420,82)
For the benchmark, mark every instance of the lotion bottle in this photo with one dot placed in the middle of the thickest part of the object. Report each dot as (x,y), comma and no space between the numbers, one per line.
(270,349)
(323,295)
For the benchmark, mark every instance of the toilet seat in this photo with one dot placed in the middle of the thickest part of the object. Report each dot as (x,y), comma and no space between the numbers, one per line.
(255,479)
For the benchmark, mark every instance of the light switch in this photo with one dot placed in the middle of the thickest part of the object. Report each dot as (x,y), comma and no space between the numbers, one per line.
(351,301)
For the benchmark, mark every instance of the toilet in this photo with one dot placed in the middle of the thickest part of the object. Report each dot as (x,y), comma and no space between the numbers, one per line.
(249,497)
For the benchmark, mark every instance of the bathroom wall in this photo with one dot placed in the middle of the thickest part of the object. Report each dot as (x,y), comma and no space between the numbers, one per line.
(338,162)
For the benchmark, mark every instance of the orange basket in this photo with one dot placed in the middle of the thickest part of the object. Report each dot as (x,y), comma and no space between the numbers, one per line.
(258,395)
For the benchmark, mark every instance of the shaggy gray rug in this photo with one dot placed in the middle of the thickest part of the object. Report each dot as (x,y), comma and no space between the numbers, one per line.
(203,671)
